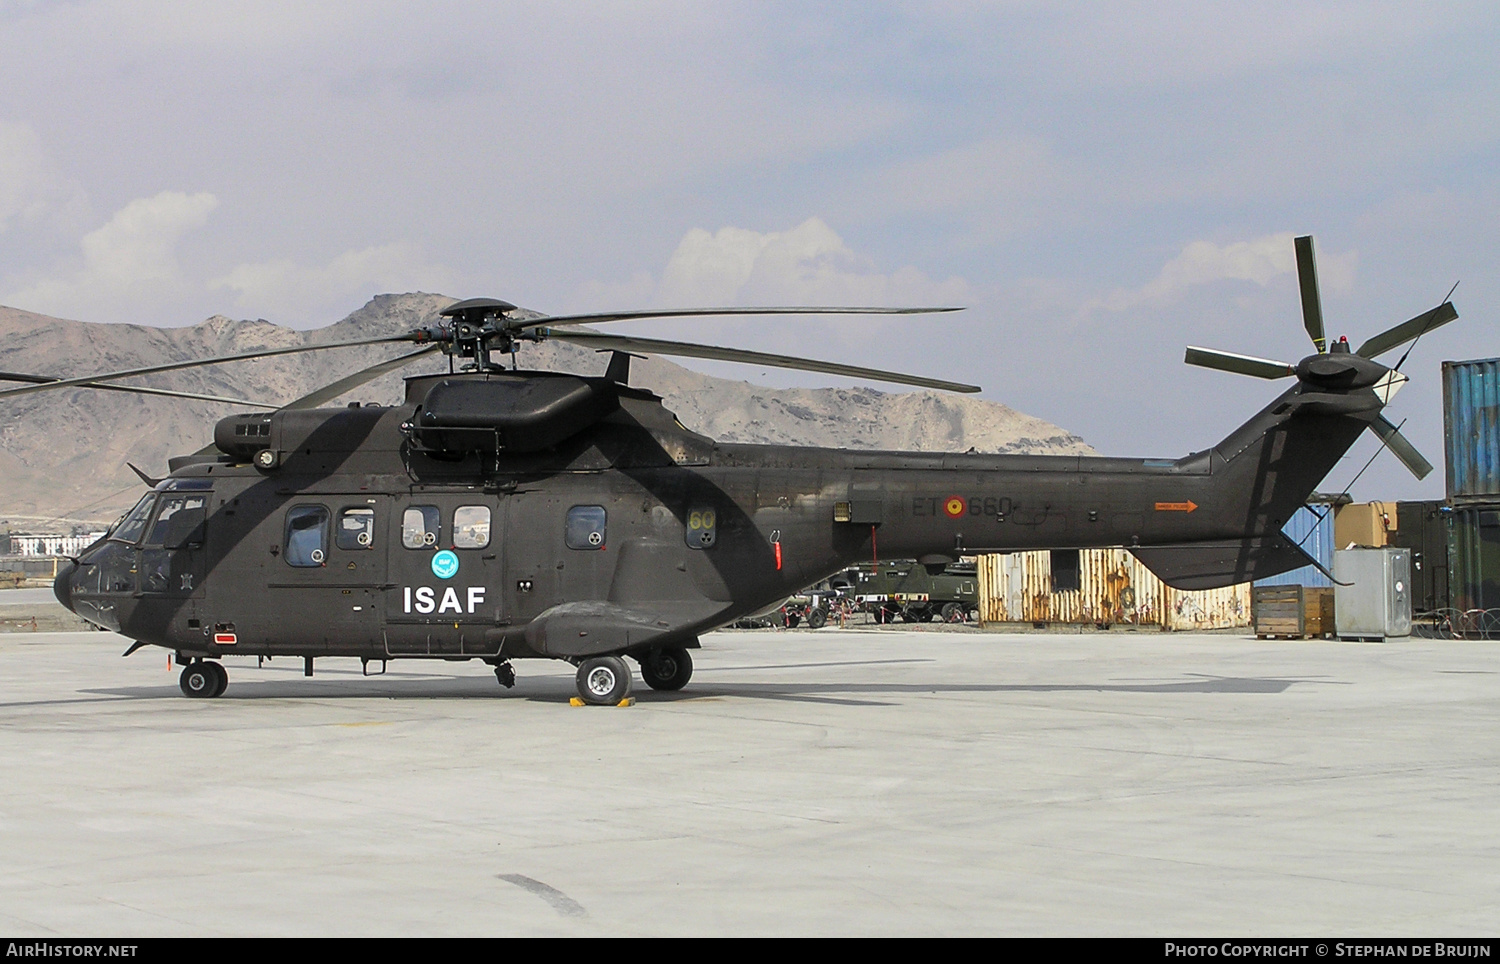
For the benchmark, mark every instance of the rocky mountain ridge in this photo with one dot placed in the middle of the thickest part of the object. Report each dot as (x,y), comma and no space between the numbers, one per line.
(63,453)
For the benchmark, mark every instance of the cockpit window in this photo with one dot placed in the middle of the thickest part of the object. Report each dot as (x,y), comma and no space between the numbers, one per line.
(131,526)
(179,522)
(306,536)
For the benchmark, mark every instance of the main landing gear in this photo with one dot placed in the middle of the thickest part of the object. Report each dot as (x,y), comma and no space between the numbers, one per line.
(203,679)
(667,669)
(605,680)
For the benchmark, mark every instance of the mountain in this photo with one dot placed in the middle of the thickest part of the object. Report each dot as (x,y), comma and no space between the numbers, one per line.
(63,453)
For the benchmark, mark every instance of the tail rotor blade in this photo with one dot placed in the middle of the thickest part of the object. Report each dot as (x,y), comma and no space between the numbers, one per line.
(1408,330)
(1400,447)
(1228,361)
(1312,303)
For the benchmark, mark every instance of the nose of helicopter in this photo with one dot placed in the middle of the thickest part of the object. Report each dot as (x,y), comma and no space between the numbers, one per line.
(62,586)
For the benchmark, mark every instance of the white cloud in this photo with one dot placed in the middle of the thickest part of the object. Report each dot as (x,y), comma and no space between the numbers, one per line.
(283,288)
(30,189)
(132,258)
(1203,262)
(809,265)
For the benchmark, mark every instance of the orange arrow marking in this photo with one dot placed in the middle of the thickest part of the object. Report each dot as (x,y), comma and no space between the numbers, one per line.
(1176,506)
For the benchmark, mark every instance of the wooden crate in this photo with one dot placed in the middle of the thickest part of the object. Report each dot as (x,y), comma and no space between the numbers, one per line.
(1317,611)
(1291,612)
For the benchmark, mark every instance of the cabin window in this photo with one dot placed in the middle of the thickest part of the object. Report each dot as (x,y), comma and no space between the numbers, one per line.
(1065,571)
(179,522)
(471,527)
(420,528)
(134,523)
(307,536)
(356,529)
(702,528)
(586,527)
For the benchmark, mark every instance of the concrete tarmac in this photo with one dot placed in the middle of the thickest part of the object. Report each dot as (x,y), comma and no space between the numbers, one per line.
(873,782)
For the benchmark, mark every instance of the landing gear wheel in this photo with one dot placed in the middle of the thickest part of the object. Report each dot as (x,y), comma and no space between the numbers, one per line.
(223,675)
(603,680)
(953,613)
(506,675)
(667,669)
(203,680)
(792,619)
(908,616)
(817,618)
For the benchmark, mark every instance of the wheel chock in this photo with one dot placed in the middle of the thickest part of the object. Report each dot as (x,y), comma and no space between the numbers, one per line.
(575,701)
(627,701)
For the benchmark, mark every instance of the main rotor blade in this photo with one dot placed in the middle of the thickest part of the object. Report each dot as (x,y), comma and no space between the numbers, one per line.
(334,389)
(134,390)
(1312,303)
(653,346)
(216,360)
(1228,361)
(1407,330)
(603,316)
(1400,447)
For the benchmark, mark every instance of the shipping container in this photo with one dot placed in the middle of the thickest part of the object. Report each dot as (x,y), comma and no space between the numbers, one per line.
(1471,427)
(1112,588)
(1422,527)
(1474,560)
(1310,527)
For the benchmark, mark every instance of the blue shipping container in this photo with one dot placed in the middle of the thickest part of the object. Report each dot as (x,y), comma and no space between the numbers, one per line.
(1311,527)
(1471,429)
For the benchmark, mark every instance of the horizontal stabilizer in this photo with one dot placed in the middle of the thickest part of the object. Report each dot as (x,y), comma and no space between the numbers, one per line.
(1213,565)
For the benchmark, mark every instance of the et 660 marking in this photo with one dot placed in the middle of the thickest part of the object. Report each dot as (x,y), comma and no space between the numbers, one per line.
(957,506)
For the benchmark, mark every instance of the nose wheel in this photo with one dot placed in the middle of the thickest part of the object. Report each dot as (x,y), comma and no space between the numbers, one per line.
(203,679)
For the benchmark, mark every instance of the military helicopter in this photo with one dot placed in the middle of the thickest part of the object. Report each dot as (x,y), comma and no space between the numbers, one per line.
(504,514)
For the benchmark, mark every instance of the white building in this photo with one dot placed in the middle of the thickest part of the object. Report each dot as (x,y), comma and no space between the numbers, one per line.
(51,545)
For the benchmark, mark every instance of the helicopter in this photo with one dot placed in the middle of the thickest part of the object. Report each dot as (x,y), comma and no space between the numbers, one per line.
(503,514)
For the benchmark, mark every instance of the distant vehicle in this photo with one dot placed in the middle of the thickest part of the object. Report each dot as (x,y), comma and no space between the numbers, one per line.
(906,589)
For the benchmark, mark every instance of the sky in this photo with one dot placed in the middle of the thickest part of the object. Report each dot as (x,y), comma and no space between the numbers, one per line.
(1099,185)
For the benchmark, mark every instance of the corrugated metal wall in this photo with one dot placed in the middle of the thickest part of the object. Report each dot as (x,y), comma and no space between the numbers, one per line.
(1313,531)
(1474,557)
(1114,589)
(1471,423)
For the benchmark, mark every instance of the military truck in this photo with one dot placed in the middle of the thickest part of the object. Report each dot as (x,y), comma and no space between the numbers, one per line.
(907,590)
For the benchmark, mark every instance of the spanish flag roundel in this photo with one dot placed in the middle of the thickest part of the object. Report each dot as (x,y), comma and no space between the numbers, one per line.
(955,506)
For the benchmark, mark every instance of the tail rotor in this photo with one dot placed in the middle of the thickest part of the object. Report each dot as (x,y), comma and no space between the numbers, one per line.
(1335,368)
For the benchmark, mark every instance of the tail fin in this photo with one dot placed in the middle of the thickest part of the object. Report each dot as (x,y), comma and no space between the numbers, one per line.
(1263,472)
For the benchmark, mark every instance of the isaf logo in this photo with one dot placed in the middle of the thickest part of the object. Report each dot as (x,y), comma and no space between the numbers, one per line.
(424,600)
